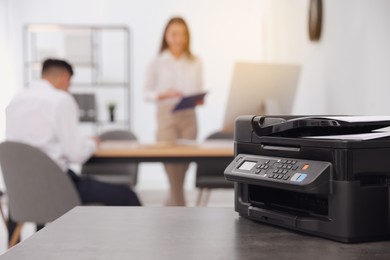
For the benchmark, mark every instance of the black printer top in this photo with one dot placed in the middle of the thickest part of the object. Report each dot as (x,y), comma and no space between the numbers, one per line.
(308,126)
(314,131)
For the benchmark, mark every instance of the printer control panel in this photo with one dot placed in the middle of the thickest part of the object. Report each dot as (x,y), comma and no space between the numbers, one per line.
(273,169)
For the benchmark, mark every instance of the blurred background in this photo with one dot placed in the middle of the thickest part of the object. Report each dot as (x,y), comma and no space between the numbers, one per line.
(111,42)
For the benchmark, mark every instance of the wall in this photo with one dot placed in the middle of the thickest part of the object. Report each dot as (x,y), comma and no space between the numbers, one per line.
(223,32)
(7,68)
(347,72)
(7,65)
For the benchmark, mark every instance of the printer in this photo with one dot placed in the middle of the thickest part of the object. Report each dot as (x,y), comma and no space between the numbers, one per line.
(322,175)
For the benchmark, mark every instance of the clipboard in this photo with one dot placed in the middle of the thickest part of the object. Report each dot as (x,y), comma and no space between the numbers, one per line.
(189,101)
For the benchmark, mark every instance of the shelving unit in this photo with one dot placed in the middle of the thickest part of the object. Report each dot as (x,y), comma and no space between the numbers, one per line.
(100,56)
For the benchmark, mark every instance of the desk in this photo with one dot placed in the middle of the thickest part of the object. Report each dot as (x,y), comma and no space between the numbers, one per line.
(163,152)
(179,233)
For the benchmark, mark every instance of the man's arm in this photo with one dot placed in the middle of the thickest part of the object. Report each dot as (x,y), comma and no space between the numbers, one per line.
(76,148)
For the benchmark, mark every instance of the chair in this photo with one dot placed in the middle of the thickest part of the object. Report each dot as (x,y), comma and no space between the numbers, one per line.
(118,173)
(1,208)
(210,175)
(38,190)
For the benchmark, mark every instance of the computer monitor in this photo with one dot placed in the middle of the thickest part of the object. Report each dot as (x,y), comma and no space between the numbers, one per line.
(261,89)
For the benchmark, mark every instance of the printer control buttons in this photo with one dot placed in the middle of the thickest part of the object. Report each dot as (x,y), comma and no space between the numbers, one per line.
(295,168)
(286,177)
(266,162)
(262,166)
(298,177)
(258,171)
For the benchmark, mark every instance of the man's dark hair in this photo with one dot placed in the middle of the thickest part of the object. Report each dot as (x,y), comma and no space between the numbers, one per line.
(59,64)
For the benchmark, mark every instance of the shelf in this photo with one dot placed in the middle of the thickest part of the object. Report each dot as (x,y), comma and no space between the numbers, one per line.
(99,55)
(38,65)
(122,122)
(99,85)
(114,122)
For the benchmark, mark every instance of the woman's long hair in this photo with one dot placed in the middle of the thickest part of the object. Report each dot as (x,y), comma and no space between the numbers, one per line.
(164,44)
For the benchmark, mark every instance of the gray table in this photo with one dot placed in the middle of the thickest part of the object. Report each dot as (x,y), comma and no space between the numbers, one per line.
(178,233)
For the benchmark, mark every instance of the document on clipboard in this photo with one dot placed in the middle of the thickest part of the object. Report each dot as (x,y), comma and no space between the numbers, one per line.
(189,101)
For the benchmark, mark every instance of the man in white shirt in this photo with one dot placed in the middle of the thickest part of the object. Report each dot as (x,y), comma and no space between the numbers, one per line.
(46,116)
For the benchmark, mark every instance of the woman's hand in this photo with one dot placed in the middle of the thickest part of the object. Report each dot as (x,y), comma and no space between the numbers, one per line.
(170,93)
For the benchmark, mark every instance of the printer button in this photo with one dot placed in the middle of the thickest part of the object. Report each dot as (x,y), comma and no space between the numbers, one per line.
(288,161)
(258,166)
(286,177)
(266,166)
(293,162)
(270,175)
(289,166)
(258,171)
(280,176)
(298,177)
(284,171)
(266,162)
(295,168)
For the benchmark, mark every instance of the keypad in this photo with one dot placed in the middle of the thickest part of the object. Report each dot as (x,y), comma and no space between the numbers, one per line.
(273,170)
(276,169)
(281,169)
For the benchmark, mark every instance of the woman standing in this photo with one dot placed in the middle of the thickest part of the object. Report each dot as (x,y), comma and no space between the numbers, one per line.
(174,73)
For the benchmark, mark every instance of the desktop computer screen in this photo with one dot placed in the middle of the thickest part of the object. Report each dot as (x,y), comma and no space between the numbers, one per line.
(262,89)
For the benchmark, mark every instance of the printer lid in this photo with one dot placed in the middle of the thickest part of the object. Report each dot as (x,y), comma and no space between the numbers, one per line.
(305,126)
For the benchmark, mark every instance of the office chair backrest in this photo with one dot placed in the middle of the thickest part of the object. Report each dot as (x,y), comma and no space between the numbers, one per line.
(210,175)
(118,173)
(117,135)
(38,190)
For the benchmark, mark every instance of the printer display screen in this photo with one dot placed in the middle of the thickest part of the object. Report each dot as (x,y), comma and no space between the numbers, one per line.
(247,165)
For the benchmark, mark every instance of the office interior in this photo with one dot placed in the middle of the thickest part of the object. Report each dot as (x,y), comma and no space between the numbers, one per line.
(345,72)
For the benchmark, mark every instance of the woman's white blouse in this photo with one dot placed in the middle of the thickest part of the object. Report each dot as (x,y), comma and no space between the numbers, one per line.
(167,72)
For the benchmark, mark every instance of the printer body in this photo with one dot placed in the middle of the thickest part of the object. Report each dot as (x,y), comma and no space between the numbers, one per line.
(333,188)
